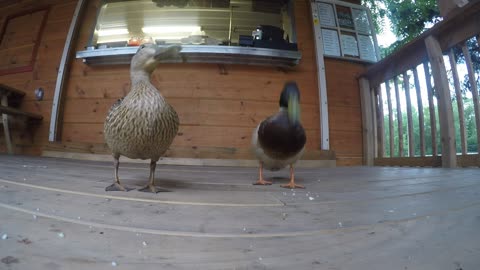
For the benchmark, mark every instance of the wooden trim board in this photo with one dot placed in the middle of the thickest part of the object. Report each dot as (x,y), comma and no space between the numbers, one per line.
(187,161)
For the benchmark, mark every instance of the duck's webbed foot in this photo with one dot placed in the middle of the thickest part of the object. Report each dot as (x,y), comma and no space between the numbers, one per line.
(116,187)
(262,182)
(292,184)
(152,189)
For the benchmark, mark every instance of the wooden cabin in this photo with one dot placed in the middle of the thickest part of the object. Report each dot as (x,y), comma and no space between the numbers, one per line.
(219,104)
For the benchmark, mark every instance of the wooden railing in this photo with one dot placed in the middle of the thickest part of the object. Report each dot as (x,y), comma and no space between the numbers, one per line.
(386,96)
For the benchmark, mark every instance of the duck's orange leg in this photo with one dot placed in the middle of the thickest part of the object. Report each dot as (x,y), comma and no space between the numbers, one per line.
(260,180)
(292,184)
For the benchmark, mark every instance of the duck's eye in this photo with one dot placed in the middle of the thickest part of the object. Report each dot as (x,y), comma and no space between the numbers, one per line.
(142,46)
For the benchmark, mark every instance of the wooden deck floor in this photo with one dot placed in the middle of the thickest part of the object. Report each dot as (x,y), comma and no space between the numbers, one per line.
(55,214)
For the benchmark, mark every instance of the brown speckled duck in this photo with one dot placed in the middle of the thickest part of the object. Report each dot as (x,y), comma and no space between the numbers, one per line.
(280,139)
(142,125)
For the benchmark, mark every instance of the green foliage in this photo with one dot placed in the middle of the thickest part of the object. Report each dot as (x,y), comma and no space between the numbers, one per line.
(408,18)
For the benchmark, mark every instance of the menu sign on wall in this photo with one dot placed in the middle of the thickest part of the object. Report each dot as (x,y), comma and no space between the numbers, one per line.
(346,30)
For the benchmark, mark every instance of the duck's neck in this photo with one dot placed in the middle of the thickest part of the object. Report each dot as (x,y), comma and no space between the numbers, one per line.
(140,77)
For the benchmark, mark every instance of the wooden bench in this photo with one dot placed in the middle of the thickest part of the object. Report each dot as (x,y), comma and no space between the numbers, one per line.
(10,100)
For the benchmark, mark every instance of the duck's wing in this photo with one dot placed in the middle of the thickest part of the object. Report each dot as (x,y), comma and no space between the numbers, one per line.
(114,108)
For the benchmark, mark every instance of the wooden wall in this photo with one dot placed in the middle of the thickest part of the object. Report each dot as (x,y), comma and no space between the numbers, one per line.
(217,111)
(46,61)
(344,112)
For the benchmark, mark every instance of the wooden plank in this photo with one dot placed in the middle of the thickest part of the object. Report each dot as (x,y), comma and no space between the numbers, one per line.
(421,118)
(399,117)
(373,101)
(409,161)
(6,127)
(459,99)
(183,151)
(17,112)
(347,143)
(468,160)
(189,161)
(459,26)
(380,123)
(367,122)
(411,138)
(473,89)
(390,117)
(444,105)
(431,108)
(206,112)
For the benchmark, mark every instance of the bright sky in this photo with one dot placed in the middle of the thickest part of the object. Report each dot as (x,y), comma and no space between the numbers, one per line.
(387,37)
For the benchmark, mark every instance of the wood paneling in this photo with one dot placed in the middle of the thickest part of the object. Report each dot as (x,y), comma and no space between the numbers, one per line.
(345,115)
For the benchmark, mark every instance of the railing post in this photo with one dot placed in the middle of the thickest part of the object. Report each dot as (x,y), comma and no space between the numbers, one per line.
(474,89)
(380,124)
(367,122)
(411,138)
(435,55)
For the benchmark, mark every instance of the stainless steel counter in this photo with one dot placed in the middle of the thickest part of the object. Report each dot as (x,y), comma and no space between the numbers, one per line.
(200,54)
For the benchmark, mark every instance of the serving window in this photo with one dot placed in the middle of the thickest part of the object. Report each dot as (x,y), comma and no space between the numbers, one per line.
(199,22)
(258,32)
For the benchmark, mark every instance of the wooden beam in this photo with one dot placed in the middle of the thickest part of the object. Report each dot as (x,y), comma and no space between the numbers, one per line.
(6,128)
(460,25)
(421,118)
(440,78)
(469,160)
(380,123)
(409,161)
(411,139)
(390,116)
(399,117)
(431,109)
(367,122)
(459,98)
(473,89)
(373,97)
(12,111)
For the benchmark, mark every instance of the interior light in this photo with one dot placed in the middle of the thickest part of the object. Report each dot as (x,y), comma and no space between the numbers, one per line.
(170,29)
(112,32)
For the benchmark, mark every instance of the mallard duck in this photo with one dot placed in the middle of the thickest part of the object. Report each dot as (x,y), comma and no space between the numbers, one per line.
(279,140)
(142,125)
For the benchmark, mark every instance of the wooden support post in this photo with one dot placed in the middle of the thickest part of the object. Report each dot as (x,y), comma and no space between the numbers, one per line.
(459,98)
(421,118)
(380,123)
(390,117)
(474,89)
(435,55)
(431,109)
(399,117)
(6,128)
(373,97)
(367,122)
(411,139)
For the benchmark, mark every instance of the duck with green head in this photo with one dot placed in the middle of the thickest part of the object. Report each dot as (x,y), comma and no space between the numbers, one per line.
(280,139)
(142,125)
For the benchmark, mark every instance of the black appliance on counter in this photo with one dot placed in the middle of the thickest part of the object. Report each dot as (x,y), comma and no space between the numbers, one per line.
(267,36)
